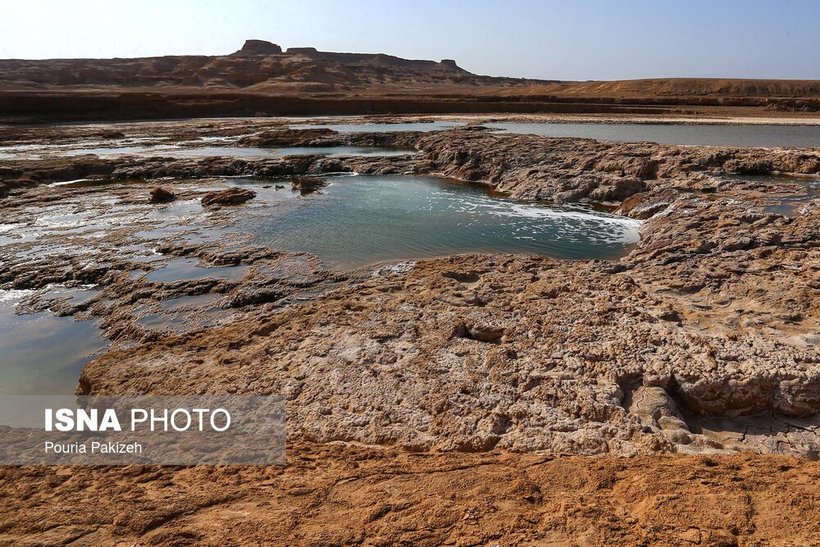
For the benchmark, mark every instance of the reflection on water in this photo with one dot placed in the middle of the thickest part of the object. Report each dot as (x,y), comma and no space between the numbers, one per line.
(360,220)
(804,136)
(188,269)
(190,302)
(43,354)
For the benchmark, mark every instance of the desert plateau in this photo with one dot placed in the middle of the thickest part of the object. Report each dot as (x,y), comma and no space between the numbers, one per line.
(501,311)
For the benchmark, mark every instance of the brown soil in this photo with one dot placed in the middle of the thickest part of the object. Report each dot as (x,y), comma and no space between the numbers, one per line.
(347,495)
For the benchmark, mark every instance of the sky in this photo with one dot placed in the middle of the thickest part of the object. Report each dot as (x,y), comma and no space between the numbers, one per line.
(546,39)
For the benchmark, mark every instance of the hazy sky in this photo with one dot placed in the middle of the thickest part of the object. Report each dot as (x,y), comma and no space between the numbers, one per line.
(560,39)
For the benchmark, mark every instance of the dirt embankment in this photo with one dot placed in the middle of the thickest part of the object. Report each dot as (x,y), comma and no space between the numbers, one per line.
(124,104)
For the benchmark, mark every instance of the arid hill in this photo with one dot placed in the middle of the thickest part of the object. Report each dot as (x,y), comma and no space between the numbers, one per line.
(258,66)
(261,78)
(680,87)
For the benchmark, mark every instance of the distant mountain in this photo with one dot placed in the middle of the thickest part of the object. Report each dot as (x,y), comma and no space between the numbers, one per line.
(258,66)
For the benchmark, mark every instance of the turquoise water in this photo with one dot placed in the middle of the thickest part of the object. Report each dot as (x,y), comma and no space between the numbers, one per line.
(803,136)
(366,219)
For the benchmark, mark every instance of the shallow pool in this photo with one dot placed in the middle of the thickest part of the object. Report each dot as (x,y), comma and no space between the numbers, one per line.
(43,354)
(805,190)
(365,219)
(187,269)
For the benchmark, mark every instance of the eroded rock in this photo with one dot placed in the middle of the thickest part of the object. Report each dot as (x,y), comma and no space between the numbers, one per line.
(161,195)
(307,185)
(229,196)
(259,47)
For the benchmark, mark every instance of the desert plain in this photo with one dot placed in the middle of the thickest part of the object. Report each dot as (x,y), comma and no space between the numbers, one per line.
(667,393)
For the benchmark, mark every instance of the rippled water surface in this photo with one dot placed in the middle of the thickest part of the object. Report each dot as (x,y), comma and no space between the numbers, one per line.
(365,219)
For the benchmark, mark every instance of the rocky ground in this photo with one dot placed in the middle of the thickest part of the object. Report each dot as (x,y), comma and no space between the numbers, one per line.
(489,376)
